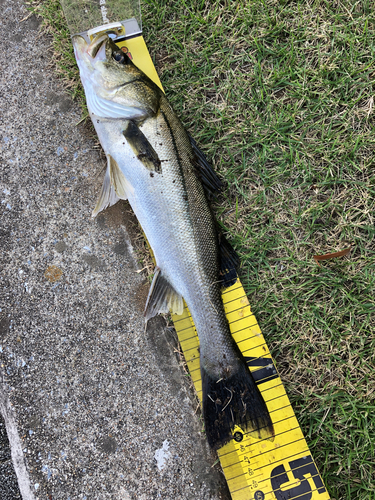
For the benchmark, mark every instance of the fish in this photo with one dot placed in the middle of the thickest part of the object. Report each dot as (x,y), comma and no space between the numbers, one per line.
(154,164)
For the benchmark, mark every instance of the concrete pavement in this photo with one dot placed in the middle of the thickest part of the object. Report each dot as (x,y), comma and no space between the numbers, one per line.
(95,408)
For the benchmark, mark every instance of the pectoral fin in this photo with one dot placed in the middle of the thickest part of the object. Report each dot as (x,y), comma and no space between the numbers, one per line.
(142,148)
(162,298)
(108,196)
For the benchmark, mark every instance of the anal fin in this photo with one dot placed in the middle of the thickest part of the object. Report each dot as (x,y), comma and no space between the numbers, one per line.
(162,297)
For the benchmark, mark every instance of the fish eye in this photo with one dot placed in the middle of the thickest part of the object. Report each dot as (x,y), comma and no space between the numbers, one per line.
(120,57)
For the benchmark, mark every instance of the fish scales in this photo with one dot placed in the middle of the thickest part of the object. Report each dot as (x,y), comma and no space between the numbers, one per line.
(151,163)
(182,216)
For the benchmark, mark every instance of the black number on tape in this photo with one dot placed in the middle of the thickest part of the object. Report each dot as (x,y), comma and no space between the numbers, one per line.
(300,468)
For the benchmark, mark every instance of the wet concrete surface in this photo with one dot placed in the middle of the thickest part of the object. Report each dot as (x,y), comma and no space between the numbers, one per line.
(94,406)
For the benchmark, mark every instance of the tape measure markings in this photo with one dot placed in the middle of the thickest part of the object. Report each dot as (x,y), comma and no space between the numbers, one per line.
(248,446)
(302,452)
(263,360)
(231,290)
(258,368)
(186,328)
(244,296)
(279,448)
(284,458)
(182,319)
(243,318)
(175,321)
(318,483)
(241,308)
(301,496)
(247,338)
(272,411)
(252,348)
(263,380)
(236,477)
(292,470)
(279,408)
(233,333)
(190,348)
(272,388)
(240,330)
(268,468)
(276,397)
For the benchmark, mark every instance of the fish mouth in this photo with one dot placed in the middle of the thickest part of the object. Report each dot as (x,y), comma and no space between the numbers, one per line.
(96,49)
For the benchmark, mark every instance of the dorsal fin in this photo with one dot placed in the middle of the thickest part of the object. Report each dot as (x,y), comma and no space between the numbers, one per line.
(210,180)
(228,260)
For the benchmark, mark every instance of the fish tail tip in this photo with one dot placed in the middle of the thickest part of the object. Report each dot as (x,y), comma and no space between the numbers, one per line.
(231,402)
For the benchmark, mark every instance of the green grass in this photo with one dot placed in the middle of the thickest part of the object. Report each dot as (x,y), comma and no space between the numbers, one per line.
(280,96)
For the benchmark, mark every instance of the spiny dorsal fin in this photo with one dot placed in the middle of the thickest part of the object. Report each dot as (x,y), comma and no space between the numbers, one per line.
(108,196)
(142,148)
(162,297)
(210,180)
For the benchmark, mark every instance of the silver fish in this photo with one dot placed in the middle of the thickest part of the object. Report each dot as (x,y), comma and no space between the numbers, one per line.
(154,164)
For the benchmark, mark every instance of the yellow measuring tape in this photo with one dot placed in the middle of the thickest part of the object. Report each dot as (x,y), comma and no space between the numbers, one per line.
(254,469)
(258,469)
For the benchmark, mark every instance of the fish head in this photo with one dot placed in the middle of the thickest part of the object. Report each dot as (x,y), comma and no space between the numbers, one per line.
(104,62)
(114,86)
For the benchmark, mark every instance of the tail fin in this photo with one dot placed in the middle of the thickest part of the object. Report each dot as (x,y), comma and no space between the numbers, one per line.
(234,401)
